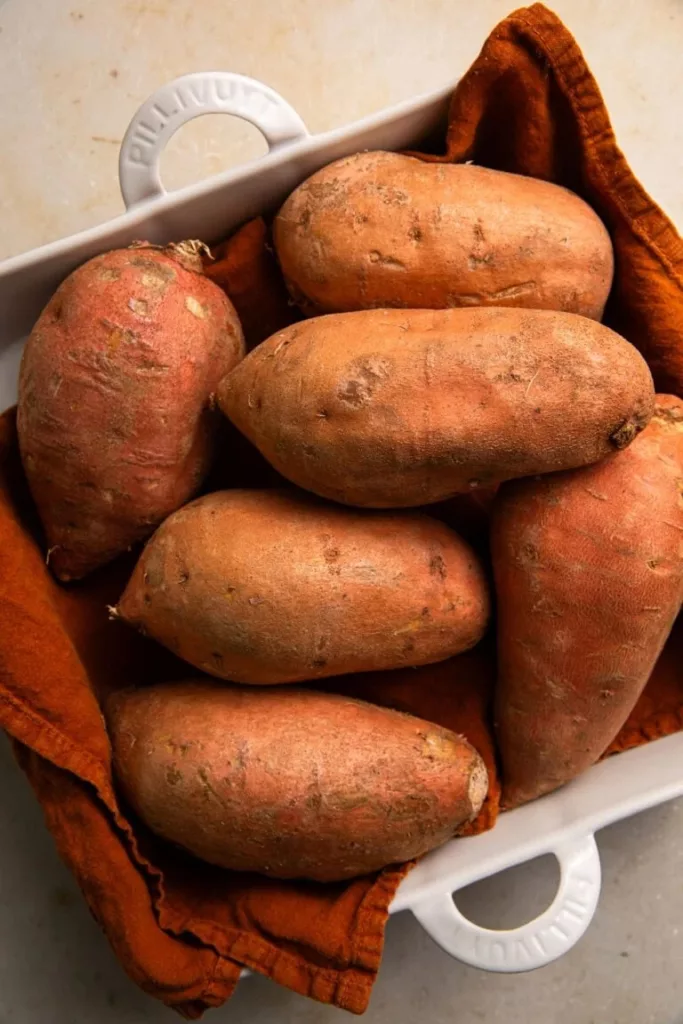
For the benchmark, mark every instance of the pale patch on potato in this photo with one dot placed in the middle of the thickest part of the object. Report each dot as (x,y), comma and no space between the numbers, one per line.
(154,280)
(478,786)
(109,274)
(117,334)
(196,307)
(366,375)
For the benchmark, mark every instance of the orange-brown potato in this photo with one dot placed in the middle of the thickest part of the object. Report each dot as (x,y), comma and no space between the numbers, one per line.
(392,408)
(276,587)
(289,782)
(381,229)
(114,419)
(589,579)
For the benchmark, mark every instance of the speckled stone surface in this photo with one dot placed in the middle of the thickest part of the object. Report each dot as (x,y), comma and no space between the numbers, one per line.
(72,73)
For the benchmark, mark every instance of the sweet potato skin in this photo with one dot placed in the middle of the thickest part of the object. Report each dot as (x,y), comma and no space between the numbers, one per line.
(589,579)
(289,782)
(392,408)
(114,423)
(276,587)
(383,229)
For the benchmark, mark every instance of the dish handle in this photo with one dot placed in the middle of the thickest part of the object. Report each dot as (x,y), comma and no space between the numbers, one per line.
(190,96)
(534,944)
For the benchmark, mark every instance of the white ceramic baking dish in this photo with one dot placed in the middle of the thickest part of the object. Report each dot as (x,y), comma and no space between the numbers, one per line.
(563,823)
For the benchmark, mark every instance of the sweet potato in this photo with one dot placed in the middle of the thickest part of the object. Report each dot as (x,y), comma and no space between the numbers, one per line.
(275,587)
(114,422)
(289,782)
(391,408)
(381,229)
(589,578)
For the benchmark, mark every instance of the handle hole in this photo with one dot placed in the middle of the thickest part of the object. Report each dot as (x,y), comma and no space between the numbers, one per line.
(208,145)
(512,897)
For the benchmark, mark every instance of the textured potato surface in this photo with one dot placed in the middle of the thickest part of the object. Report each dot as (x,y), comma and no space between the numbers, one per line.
(391,408)
(290,782)
(276,587)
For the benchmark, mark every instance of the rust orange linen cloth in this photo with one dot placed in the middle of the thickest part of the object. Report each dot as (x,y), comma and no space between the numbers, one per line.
(182,930)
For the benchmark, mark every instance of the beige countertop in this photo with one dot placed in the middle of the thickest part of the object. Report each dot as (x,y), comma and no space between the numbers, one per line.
(72,73)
